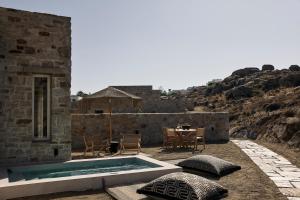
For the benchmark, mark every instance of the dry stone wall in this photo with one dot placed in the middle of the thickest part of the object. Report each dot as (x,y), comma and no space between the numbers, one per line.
(149,125)
(33,44)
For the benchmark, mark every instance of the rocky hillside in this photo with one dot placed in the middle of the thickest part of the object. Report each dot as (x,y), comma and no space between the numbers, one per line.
(263,104)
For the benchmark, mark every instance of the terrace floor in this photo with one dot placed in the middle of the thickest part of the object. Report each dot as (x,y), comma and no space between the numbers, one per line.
(248,183)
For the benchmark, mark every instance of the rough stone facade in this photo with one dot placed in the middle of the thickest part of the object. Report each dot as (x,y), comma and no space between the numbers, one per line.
(149,125)
(152,102)
(33,44)
(150,97)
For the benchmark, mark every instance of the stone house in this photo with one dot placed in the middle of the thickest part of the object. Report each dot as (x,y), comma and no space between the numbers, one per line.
(35,81)
(151,102)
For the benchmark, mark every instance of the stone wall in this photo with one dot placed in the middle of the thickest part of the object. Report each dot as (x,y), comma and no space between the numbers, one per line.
(33,44)
(150,98)
(149,125)
(152,102)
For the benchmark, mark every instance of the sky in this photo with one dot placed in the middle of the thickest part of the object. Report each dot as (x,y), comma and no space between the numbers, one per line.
(172,43)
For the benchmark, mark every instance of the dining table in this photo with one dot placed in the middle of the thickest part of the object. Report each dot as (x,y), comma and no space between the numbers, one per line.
(182,133)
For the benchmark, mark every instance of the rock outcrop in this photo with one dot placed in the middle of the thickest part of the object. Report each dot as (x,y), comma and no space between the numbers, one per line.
(245,71)
(294,68)
(263,105)
(239,92)
(267,68)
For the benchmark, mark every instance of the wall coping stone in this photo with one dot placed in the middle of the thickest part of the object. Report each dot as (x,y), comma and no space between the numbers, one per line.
(29,12)
(180,113)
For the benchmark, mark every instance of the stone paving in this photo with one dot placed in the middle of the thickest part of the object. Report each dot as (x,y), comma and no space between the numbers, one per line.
(284,174)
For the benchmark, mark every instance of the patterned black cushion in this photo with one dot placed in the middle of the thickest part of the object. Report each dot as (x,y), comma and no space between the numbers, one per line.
(180,185)
(209,164)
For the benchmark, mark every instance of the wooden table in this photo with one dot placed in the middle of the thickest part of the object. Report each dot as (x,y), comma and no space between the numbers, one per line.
(181,133)
(184,131)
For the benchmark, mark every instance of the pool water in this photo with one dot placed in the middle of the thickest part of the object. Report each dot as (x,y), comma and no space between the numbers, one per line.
(77,168)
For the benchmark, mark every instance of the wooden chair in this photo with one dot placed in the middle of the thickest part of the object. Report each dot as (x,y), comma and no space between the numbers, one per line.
(101,144)
(93,143)
(130,142)
(170,138)
(89,144)
(189,140)
(200,136)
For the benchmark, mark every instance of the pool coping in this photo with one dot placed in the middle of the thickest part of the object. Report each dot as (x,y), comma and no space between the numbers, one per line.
(82,182)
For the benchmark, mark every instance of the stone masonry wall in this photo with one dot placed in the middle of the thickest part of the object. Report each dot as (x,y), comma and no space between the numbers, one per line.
(149,125)
(33,44)
(152,103)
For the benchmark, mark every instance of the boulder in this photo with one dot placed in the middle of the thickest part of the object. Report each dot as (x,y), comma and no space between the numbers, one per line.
(272,107)
(295,140)
(214,89)
(245,72)
(252,135)
(267,67)
(242,132)
(239,92)
(290,80)
(234,130)
(297,89)
(293,121)
(289,129)
(270,84)
(294,68)
(289,113)
(297,112)
(238,131)
(279,130)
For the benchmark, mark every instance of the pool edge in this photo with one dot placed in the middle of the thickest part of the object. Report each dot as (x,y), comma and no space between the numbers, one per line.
(85,182)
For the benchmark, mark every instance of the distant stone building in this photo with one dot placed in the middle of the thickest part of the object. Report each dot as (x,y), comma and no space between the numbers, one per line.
(35,80)
(152,102)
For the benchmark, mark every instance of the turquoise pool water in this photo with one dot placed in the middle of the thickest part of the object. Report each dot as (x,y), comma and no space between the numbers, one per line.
(77,168)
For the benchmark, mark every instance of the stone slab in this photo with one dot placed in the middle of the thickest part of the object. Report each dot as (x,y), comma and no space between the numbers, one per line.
(127,192)
(290,192)
(296,184)
(285,175)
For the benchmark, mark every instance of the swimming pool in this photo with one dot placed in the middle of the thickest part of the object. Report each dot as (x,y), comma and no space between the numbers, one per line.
(77,168)
(80,175)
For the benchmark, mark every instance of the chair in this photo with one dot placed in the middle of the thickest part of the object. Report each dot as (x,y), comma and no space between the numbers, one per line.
(200,136)
(94,143)
(130,142)
(189,139)
(170,138)
(101,144)
(89,144)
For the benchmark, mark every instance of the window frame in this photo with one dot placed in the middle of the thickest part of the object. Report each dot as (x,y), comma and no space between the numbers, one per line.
(40,136)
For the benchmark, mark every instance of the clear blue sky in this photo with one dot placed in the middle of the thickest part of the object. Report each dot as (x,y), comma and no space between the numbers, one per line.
(172,43)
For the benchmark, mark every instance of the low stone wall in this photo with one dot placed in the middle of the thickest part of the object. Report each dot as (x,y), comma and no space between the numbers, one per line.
(149,125)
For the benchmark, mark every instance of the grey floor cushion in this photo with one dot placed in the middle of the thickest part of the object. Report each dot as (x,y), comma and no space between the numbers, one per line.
(209,164)
(180,185)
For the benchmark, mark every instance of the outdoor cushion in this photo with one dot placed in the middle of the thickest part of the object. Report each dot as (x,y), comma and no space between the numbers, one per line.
(209,164)
(180,185)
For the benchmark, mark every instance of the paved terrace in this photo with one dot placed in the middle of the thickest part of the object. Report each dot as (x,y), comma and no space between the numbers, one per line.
(285,175)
